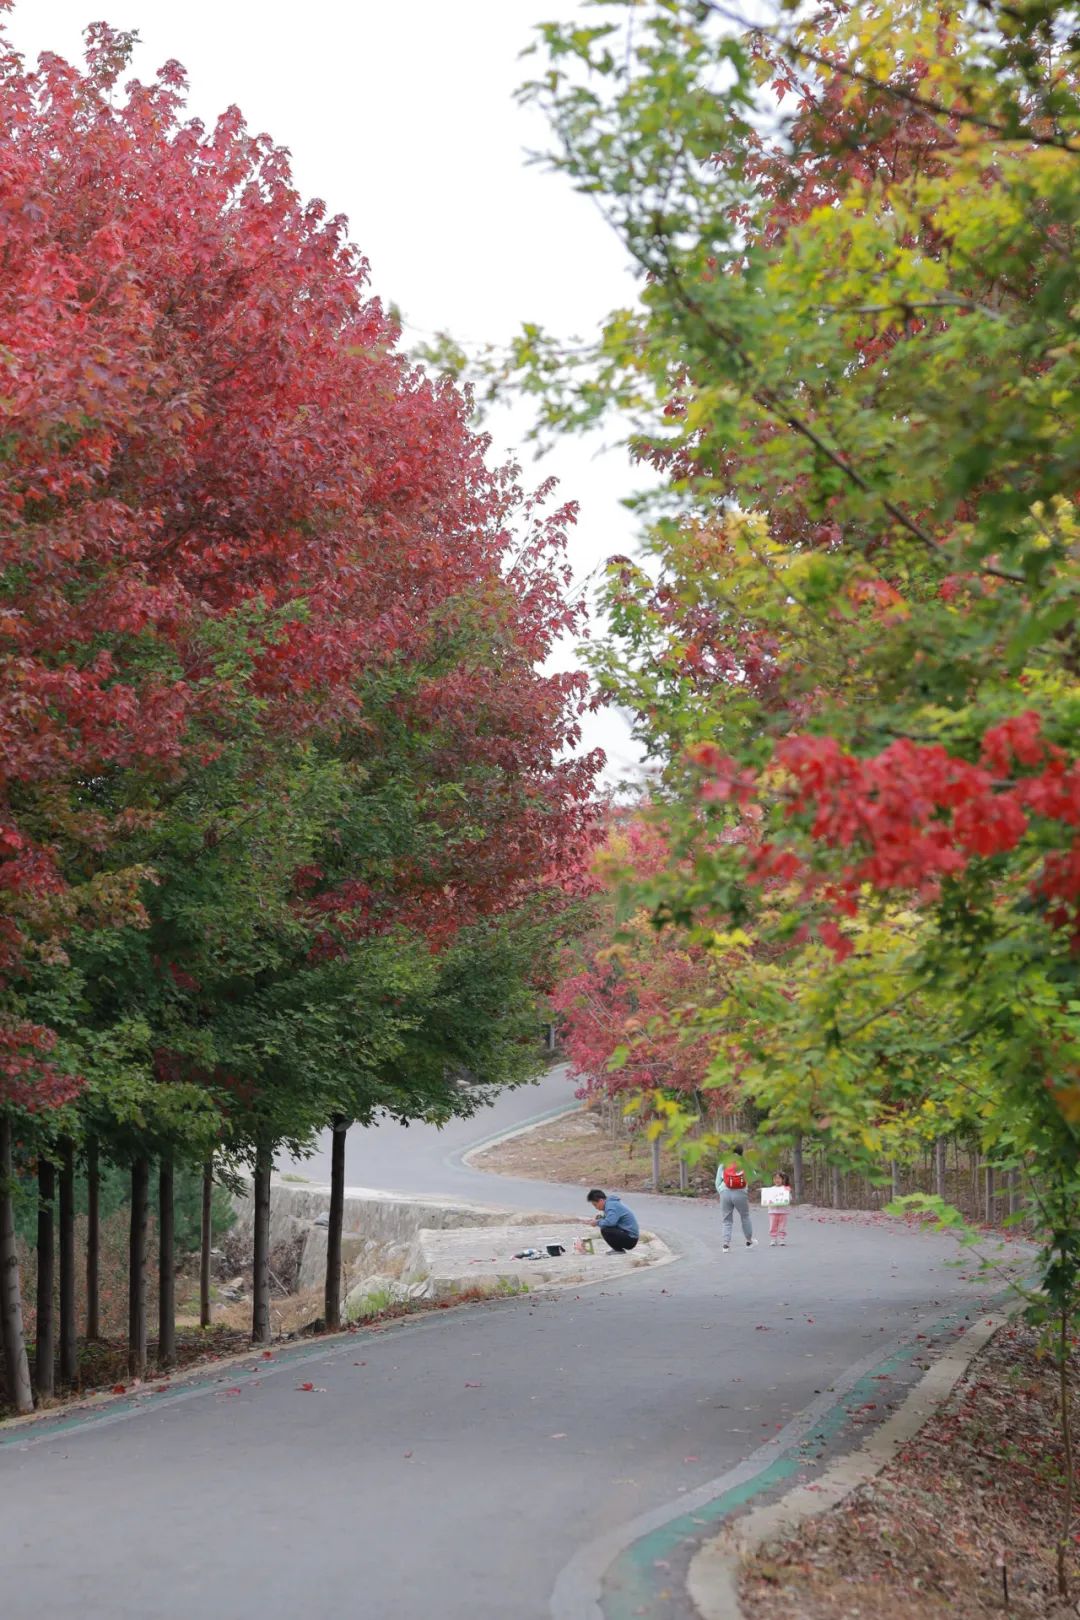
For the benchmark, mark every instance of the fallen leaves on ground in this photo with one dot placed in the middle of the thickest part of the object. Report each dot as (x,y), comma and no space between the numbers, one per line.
(972,1502)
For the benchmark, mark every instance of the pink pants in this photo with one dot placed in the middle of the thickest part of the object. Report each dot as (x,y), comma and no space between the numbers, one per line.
(778,1224)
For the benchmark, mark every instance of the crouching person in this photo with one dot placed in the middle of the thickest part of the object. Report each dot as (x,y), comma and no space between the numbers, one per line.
(618,1225)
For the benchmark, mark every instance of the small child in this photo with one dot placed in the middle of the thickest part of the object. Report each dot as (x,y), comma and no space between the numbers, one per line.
(778,1214)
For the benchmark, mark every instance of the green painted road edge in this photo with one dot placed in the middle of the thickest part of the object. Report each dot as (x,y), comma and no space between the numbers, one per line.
(112,1409)
(634,1573)
(246,1370)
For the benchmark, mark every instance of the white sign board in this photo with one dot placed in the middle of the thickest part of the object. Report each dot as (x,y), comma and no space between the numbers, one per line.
(775,1196)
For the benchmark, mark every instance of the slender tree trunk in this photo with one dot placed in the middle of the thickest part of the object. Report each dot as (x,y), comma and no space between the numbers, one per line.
(684,1174)
(1065,1541)
(894,1171)
(69,1339)
(93,1242)
(798,1178)
(1014,1191)
(45,1339)
(332,1300)
(989,1210)
(166,1262)
(260,1300)
(939,1167)
(20,1391)
(207,1243)
(835,1188)
(140,1218)
(656,1164)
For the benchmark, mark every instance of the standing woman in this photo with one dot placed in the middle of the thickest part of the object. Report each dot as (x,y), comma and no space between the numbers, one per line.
(731,1185)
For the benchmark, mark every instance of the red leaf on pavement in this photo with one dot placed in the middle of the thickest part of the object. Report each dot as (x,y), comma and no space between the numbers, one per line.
(119,1389)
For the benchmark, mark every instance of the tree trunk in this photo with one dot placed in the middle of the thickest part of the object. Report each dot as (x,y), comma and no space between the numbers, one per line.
(332,1299)
(207,1242)
(45,1339)
(835,1188)
(684,1174)
(19,1389)
(798,1178)
(1066,1544)
(166,1263)
(1014,1191)
(989,1195)
(939,1167)
(93,1242)
(69,1339)
(140,1217)
(260,1300)
(894,1171)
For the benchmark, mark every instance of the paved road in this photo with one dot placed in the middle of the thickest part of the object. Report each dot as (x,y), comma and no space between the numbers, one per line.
(463,1466)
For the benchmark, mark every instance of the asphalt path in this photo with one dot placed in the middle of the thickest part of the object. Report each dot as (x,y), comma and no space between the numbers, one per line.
(481,1464)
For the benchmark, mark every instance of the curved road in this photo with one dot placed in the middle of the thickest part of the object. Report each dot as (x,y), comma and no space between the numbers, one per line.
(536,1457)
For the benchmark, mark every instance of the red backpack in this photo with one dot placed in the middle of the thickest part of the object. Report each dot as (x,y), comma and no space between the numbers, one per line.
(734,1177)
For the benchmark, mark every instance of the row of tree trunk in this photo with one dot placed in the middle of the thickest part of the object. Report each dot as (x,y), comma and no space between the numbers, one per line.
(982,1190)
(57,1325)
(56,1261)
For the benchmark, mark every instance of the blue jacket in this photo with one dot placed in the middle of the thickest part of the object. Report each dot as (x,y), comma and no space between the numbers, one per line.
(615,1213)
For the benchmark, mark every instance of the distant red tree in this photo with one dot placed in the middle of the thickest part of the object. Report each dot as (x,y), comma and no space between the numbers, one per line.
(628,991)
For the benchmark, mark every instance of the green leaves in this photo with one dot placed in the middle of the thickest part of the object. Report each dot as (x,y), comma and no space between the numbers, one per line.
(854,362)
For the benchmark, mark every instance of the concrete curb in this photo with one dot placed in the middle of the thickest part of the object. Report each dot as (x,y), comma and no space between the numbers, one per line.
(713,1577)
(498,1137)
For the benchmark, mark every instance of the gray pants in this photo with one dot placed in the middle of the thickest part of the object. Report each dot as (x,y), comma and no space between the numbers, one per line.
(730,1201)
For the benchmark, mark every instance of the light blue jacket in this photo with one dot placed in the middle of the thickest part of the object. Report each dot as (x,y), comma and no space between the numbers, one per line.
(615,1213)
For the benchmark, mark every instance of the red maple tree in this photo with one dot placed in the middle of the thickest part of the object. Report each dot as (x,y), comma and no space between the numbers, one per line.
(223,485)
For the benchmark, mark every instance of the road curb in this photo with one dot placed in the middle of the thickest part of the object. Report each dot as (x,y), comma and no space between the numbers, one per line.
(499,1137)
(713,1577)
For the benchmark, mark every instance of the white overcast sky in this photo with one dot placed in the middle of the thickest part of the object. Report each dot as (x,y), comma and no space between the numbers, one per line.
(400,114)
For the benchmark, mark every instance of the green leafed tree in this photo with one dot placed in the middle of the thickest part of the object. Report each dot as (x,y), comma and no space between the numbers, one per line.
(855,642)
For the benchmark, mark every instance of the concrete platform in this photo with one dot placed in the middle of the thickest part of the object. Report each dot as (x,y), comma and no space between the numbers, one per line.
(395,1247)
(483,1257)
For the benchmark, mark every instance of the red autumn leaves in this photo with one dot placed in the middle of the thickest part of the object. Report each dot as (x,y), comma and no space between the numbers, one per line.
(915,814)
(211,442)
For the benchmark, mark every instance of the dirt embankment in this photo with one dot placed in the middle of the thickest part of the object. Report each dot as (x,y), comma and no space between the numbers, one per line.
(579,1148)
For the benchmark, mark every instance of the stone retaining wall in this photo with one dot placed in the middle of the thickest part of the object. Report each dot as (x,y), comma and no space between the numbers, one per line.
(379,1237)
